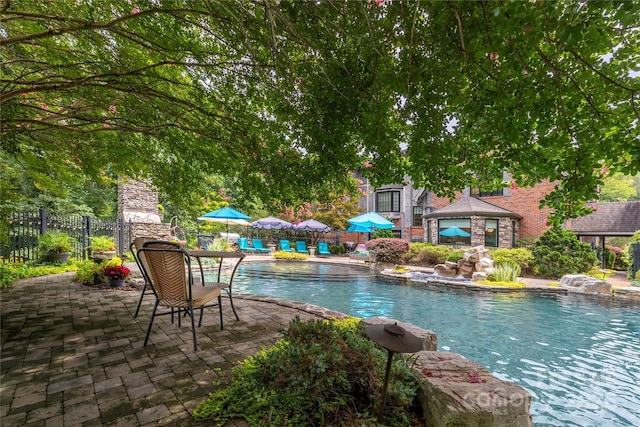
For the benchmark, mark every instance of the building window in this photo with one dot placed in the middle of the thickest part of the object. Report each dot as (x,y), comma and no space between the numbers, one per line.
(476,192)
(388,201)
(454,231)
(417,216)
(491,233)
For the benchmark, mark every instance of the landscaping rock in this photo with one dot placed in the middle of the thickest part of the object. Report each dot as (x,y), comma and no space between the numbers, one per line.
(631,293)
(580,283)
(446,270)
(459,392)
(475,254)
(478,276)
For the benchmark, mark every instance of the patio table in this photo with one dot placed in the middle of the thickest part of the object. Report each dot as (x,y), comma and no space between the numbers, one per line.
(219,283)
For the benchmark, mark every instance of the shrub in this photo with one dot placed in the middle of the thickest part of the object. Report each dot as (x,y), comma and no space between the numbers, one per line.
(89,273)
(414,250)
(506,272)
(320,373)
(620,261)
(432,255)
(558,252)
(291,256)
(388,250)
(521,256)
(337,249)
(455,255)
(383,234)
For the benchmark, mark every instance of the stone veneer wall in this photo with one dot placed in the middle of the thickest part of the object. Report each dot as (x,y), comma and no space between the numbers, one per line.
(139,204)
(505,230)
(136,196)
(148,229)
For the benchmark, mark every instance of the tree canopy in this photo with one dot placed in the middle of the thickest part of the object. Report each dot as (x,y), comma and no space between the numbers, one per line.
(289,97)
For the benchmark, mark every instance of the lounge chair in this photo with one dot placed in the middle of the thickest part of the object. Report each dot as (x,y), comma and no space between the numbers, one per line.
(301,247)
(323,249)
(243,245)
(257,245)
(286,246)
(361,253)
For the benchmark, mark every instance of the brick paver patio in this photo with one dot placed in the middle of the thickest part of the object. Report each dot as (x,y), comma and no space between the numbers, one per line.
(72,355)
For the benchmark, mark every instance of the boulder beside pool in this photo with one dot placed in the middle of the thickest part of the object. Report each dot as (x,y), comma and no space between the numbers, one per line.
(458,391)
(583,284)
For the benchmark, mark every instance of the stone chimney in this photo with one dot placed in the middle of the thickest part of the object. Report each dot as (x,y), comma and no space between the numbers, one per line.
(138,204)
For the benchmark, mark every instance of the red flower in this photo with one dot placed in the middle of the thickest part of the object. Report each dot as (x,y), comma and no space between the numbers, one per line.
(116,271)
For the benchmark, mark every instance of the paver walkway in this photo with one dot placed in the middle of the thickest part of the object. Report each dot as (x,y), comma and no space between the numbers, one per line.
(72,355)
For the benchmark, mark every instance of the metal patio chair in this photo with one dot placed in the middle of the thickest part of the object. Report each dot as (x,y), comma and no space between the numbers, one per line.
(137,243)
(171,279)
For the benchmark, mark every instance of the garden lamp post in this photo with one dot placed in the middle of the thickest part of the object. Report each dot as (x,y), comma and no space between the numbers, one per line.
(395,339)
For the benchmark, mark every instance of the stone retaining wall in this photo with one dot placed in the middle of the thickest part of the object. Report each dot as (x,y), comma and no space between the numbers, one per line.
(459,392)
(631,293)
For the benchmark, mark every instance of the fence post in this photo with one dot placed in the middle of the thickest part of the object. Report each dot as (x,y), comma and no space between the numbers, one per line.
(43,221)
(636,259)
(120,236)
(84,243)
(89,230)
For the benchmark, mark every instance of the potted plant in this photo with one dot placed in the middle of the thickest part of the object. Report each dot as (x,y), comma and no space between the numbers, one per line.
(102,247)
(55,246)
(115,272)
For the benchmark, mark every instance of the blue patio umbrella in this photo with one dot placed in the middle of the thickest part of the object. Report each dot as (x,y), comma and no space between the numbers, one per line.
(357,228)
(372,220)
(225,214)
(271,223)
(454,231)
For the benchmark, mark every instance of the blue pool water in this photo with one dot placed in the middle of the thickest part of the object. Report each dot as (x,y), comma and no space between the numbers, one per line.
(579,357)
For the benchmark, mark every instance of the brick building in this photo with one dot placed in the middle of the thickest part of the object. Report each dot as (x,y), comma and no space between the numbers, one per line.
(498,218)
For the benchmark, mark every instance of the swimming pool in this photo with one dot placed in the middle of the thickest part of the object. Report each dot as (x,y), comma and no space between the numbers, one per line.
(579,357)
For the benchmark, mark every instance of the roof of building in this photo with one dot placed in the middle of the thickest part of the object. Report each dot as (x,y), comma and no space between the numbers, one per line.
(471,206)
(609,219)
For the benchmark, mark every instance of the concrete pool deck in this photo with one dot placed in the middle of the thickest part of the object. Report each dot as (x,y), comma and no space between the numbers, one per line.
(72,355)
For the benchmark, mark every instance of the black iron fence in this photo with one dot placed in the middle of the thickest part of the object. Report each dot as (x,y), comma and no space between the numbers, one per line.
(23,230)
